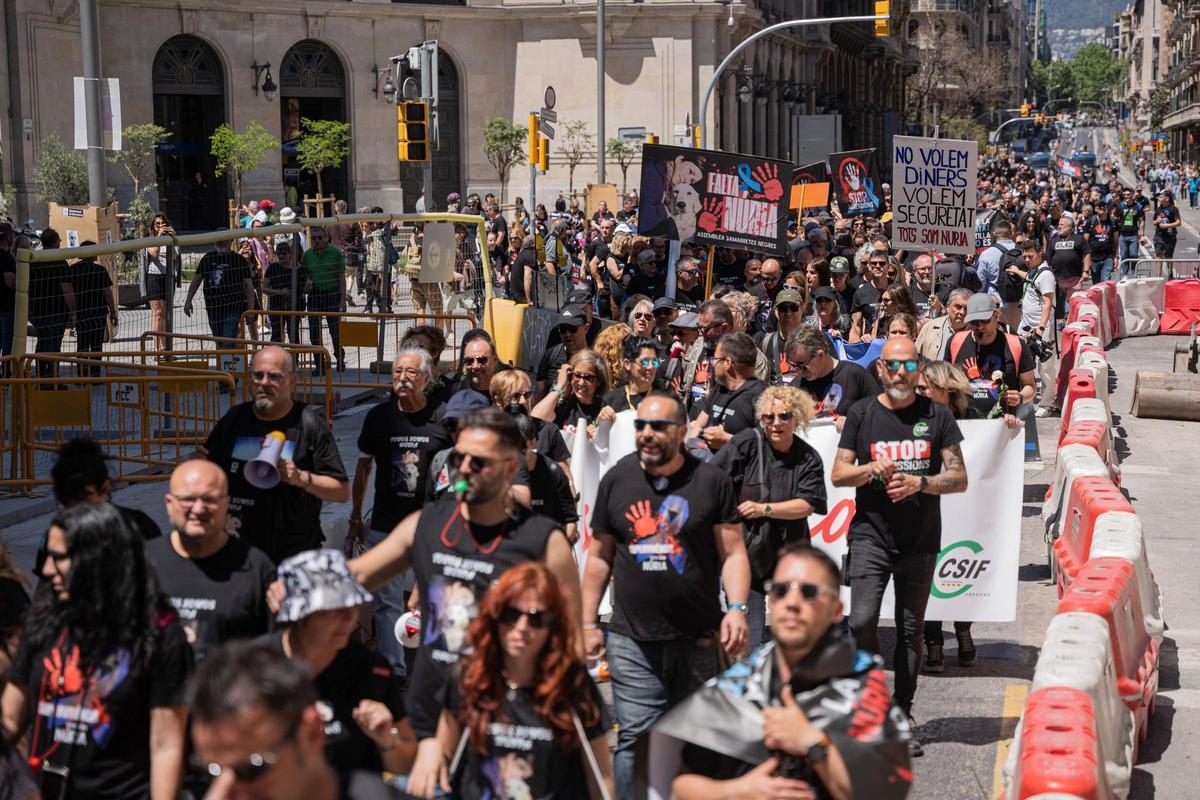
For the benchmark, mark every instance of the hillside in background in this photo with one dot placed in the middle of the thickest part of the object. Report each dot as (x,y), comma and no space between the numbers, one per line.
(1074,14)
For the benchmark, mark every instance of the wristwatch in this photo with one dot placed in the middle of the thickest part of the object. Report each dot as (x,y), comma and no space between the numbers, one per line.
(924,483)
(818,752)
(767,510)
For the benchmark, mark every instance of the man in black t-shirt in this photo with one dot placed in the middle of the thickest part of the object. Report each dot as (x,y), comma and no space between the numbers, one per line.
(216,582)
(982,351)
(689,289)
(228,289)
(284,519)
(730,407)
(399,439)
(666,528)
(1166,226)
(523,272)
(51,302)
(1070,258)
(835,385)
(1131,230)
(901,451)
(865,306)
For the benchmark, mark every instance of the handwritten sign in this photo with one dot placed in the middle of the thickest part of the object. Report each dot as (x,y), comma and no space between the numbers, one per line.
(933,194)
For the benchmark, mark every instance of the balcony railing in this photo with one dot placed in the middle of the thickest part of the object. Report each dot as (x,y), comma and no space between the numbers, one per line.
(961,6)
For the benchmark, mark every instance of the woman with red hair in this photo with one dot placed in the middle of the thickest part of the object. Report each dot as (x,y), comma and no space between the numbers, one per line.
(524,703)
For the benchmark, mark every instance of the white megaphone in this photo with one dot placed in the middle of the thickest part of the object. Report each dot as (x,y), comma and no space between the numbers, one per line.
(260,471)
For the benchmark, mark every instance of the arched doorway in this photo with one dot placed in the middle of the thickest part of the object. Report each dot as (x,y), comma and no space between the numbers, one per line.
(447,165)
(312,84)
(189,101)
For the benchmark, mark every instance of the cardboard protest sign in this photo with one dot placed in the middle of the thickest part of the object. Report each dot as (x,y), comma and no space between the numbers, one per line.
(856,182)
(810,186)
(933,194)
(711,198)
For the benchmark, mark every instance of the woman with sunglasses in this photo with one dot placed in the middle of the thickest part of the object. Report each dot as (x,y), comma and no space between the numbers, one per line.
(512,391)
(578,394)
(780,482)
(103,660)
(155,274)
(893,300)
(641,318)
(524,718)
(364,726)
(641,358)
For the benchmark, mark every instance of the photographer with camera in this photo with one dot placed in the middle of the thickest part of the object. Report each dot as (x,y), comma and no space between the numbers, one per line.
(1037,320)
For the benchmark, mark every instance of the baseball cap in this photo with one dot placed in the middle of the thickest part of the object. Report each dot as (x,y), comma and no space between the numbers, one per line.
(578,297)
(980,307)
(571,315)
(317,580)
(789,296)
(665,304)
(825,293)
(839,264)
(465,401)
(687,319)
(265,204)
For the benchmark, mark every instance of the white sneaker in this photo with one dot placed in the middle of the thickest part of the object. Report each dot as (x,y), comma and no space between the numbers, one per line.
(1042,412)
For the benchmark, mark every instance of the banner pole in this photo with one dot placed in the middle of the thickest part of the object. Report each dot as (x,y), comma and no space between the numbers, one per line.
(712,257)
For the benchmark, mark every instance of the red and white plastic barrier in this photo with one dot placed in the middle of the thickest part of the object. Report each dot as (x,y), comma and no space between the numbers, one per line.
(1142,301)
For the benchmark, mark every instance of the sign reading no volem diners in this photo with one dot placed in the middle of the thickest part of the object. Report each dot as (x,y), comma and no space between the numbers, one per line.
(933,194)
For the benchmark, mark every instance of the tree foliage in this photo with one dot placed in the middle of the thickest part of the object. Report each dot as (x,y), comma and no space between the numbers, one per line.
(951,76)
(504,145)
(576,146)
(1096,72)
(323,143)
(239,153)
(1158,104)
(61,175)
(623,153)
(136,156)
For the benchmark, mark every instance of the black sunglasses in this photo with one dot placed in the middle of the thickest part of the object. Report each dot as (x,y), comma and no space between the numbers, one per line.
(539,619)
(256,765)
(809,591)
(788,308)
(480,360)
(480,463)
(656,425)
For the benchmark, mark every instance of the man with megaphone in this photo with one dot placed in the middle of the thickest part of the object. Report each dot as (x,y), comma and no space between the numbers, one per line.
(281,459)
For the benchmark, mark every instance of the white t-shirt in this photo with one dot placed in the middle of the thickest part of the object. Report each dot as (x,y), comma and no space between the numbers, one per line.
(1034,297)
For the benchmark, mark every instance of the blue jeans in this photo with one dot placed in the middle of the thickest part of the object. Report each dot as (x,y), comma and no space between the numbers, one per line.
(1127,247)
(391,603)
(912,573)
(1102,270)
(224,323)
(648,678)
(330,300)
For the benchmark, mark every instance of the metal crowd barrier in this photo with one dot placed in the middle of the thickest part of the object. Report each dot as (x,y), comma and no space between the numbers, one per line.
(147,418)
(1169,268)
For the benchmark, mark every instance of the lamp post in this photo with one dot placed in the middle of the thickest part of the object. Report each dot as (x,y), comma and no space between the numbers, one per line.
(600,91)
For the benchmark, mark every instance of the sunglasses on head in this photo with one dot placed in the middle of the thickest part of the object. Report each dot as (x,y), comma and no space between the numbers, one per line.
(894,364)
(809,591)
(539,619)
(656,425)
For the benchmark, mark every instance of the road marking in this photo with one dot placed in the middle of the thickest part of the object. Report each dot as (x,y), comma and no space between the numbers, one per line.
(1014,702)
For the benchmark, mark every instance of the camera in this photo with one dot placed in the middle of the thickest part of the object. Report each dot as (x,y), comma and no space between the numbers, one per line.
(1042,349)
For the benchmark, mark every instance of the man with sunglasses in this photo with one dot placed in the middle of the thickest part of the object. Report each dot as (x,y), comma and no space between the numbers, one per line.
(866,298)
(458,546)
(713,321)
(787,318)
(901,451)
(766,293)
(836,386)
(689,287)
(286,518)
(258,730)
(666,528)
(730,406)
(572,337)
(837,759)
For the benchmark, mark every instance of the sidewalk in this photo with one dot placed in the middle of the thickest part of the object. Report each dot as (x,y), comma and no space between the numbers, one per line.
(1190,216)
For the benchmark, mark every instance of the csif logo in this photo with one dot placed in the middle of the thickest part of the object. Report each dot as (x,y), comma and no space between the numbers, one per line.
(958,567)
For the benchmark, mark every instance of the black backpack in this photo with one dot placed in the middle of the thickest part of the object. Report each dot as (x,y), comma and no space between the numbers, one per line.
(1011,287)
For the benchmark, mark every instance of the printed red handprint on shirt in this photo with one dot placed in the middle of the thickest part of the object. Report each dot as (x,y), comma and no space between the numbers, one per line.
(645,524)
(67,670)
(712,215)
(768,176)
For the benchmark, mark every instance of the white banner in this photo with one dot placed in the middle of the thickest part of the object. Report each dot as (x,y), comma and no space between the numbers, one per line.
(976,575)
(933,194)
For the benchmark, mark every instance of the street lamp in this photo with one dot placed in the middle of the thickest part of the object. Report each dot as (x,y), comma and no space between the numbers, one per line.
(268,85)
(389,85)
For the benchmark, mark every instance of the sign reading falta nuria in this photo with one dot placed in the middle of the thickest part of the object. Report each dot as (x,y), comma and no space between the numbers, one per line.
(933,194)
(712,198)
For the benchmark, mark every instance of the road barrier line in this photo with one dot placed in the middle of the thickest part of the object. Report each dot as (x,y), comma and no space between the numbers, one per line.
(1014,702)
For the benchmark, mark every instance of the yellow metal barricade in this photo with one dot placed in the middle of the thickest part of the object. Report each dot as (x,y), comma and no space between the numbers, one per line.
(9,458)
(147,418)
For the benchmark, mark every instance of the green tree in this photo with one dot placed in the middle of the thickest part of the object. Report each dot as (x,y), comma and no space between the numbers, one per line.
(576,146)
(324,143)
(1157,105)
(1060,81)
(61,175)
(1096,72)
(623,153)
(239,153)
(966,128)
(504,145)
(138,144)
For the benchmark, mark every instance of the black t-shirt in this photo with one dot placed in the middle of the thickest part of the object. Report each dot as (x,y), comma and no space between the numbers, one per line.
(279,277)
(1168,214)
(1066,255)
(46,300)
(523,759)
(866,302)
(526,261)
(550,491)
(550,442)
(846,297)
(666,570)
(569,410)
(455,563)
(90,281)
(101,716)
(8,297)
(1101,234)
(689,300)
(283,520)
(653,286)
(402,445)
(623,398)
(1128,216)
(552,360)
(14,601)
(354,675)
(223,271)
(734,410)
(841,389)
(991,358)
(219,598)
(913,438)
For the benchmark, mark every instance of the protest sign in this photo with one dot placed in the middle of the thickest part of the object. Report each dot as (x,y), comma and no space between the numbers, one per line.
(810,186)
(933,194)
(856,182)
(711,198)
(976,574)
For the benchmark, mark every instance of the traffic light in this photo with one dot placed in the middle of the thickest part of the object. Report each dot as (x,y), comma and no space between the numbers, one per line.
(534,159)
(544,156)
(1026,108)
(412,131)
(883,8)
(651,138)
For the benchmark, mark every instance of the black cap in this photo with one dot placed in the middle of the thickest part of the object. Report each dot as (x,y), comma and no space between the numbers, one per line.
(825,293)
(578,297)
(665,304)
(571,316)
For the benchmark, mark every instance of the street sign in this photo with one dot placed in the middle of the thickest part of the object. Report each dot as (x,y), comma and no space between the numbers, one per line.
(546,129)
(548,115)
(631,134)
(550,97)
(681,130)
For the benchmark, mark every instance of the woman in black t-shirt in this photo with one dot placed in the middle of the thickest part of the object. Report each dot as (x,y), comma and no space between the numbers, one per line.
(779,481)
(517,717)
(641,357)
(98,679)
(577,394)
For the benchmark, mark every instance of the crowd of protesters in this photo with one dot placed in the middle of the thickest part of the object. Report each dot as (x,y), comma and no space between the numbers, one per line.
(454,645)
